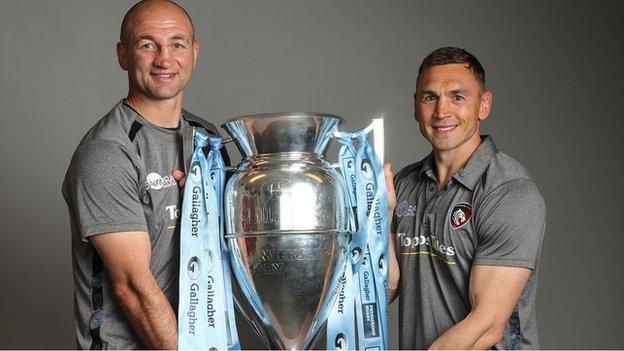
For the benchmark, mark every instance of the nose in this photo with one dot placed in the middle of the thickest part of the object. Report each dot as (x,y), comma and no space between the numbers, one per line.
(163,58)
(442,108)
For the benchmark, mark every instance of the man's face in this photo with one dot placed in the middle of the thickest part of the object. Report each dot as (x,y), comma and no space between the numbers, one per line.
(449,104)
(160,53)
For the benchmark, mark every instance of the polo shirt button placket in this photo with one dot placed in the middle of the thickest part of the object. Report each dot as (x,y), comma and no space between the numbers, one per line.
(428,211)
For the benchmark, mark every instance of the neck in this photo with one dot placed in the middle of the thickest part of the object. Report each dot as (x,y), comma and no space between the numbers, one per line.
(163,113)
(449,162)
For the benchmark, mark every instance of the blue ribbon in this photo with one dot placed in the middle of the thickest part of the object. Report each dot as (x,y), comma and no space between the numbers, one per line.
(364,176)
(205,311)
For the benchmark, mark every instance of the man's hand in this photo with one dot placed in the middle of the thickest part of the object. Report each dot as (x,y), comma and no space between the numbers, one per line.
(395,275)
(126,256)
(179,177)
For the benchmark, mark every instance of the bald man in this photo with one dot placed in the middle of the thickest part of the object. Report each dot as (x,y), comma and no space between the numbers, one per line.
(121,190)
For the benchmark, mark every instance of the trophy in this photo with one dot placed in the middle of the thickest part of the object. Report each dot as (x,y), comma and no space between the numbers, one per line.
(287,225)
(306,244)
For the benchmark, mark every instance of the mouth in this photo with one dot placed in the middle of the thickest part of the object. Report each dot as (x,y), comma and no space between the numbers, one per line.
(163,76)
(445,129)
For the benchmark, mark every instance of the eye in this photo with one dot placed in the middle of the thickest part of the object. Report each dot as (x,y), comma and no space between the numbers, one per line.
(178,46)
(458,98)
(429,98)
(147,46)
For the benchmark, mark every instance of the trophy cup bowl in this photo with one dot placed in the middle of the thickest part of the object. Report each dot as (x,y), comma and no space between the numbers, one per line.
(286,224)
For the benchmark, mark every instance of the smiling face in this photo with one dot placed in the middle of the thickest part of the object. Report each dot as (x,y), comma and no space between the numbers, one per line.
(159,52)
(449,105)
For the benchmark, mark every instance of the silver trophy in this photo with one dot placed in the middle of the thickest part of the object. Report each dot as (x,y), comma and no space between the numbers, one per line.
(286,213)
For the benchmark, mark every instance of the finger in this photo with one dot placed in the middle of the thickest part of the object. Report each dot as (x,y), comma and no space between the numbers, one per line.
(177,174)
(179,177)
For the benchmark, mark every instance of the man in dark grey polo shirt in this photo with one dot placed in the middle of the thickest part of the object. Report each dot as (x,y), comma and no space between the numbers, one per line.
(469,222)
(124,202)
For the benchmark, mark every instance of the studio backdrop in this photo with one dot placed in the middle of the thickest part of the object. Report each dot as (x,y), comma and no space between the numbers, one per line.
(554,68)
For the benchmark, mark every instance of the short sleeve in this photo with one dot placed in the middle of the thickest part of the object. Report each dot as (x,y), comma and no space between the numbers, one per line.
(510,225)
(102,191)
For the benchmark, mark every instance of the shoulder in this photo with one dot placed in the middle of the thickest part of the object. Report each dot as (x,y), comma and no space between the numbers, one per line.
(504,169)
(107,141)
(506,176)
(196,121)
(100,151)
(508,183)
(114,128)
(99,160)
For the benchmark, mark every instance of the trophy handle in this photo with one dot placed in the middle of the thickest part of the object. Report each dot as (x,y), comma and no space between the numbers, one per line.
(378,138)
(377,127)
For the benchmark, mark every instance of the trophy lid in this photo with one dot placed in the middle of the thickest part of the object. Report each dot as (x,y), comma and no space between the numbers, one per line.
(282,132)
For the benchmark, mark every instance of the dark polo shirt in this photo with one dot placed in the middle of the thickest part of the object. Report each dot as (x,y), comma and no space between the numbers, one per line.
(490,213)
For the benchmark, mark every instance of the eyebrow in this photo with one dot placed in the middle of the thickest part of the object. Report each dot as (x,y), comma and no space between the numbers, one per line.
(179,37)
(149,37)
(145,37)
(459,91)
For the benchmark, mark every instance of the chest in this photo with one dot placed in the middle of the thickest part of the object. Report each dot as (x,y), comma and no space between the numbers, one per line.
(436,225)
(158,191)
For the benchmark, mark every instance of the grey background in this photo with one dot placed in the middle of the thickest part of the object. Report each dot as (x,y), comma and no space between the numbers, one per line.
(555,69)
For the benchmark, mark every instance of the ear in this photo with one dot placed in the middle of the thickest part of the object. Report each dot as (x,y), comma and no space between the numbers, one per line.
(415,107)
(485,105)
(195,51)
(122,56)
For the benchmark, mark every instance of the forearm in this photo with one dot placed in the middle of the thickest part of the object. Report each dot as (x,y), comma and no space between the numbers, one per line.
(473,333)
(150,314)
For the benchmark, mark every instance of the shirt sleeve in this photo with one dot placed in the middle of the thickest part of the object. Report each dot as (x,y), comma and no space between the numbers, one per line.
(510,225)
(102,190)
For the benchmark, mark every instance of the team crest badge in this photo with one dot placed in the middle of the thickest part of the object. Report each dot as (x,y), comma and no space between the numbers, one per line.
(460,215)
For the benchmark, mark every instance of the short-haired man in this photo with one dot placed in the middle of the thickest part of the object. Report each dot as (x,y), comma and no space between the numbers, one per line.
(469,222)
(123,199)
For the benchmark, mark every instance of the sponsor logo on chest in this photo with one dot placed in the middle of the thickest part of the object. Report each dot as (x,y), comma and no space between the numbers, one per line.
(405,209)
(156,181)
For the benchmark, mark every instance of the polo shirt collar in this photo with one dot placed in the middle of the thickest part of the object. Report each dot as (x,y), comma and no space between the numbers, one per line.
(472,171)
(428,167)
(477,164)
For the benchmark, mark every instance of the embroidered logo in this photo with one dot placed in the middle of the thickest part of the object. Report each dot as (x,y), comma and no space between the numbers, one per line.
(156,181)
(461,214)
(405,209)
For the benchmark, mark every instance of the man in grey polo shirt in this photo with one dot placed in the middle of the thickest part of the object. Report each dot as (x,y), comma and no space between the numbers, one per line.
(123,200)
(469,222)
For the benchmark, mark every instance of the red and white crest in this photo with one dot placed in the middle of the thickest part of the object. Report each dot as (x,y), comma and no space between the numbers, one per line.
(460,215)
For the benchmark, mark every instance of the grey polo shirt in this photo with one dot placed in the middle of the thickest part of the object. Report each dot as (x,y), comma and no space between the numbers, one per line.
(490,213)
(120,180)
